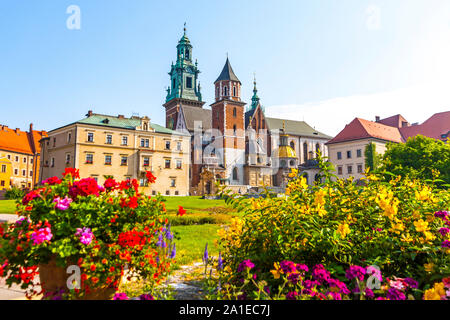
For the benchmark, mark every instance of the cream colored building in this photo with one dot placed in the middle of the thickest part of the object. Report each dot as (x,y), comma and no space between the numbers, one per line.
(103,146)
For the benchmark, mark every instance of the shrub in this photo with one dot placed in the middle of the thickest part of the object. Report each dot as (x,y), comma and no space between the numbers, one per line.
(14,193)
(397,225)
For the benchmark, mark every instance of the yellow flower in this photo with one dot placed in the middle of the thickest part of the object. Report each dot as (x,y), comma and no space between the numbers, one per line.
(429,236)
(429,267)
(431,294)
(424,194)
(293,174)
(303,183)
(397,227)
(421,226)
(277,272)
(320,197)
(343,230)
(406,238)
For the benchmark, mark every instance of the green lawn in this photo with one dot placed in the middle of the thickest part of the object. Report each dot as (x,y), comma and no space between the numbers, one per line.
(8,206)
(192,241)
(192,203)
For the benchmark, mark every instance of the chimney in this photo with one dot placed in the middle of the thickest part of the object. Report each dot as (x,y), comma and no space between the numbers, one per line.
(377,119)
(90,113)
(31,128)
(121,116)
(405,124)
(17,130)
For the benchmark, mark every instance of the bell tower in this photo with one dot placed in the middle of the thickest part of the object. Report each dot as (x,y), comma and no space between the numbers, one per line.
(184,86)
(228,122)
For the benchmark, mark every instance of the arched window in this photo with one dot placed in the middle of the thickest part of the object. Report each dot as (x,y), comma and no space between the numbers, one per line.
(234,112)
(305,152)
(292,144)
(225,91)
(292,163)
(283,164)
(235,174)
(234,91)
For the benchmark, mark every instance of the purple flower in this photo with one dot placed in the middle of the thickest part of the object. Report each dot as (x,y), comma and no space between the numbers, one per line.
(292,295)
(334,295)
(146,297)
(245,265)
(394,294)
(446,244)
(320,274)
(369,293)
(444,231)
(302,267)
(62,204)
(355,272)
(205,255)
(220,262)
(293,277)
(411,283)
(174,252)
(441,214)
(86,236)
(169,234)
(308,284)
(120,296)
(161,243)
(19,222)
(287,266)
(338,284)
(44,234)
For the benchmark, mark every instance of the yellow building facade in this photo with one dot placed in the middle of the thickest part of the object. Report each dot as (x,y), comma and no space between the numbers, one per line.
(5,173)
(103,146)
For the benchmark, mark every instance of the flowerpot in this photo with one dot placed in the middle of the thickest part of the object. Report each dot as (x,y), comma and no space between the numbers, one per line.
(54,278)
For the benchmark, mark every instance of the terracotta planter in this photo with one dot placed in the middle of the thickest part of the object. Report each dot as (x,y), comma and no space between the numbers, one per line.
(54,278)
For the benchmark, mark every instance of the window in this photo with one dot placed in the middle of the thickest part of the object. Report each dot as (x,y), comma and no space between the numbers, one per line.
(24,173)
(283,163)
(145,127)
(292,144)
(187,54)
(349,154)
(52,162)
(153,193)
(305,152)
(9,157)
(124,161)
(360,168)
(178,146)
(339,155)
(339,170)
(145,143)
(359,153)
(31,173)
(173,183)
(24,160)
(90,137)
(68,158)
(167,164)
(234,129)
(31,160)
(177,193)
(54,142)
(146,161)
(234,91)
(225,91)
(234,112)
(2,183)
(179,164)
(108,139)
(16,172)
(3,168)
(69,137)
(349,169)
(17,159)
(124,140)
(89,158)
(189,82)
(143,182)
(235,174)
(108,159)
(167,145)
(292,163)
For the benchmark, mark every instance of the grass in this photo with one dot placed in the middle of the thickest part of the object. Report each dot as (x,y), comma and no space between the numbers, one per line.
(8,206)
(191,241)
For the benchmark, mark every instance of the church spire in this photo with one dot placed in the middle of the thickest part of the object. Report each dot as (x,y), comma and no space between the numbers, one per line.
(255,98)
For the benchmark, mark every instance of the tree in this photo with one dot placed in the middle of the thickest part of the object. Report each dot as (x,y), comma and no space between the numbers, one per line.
(372,157)
(420,157)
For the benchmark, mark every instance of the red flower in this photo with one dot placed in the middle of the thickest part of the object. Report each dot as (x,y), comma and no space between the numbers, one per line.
(181,211)
(110,184)
(150,177)
(84,188)
(52,181)
(30,196)
(93,267)
(75,173)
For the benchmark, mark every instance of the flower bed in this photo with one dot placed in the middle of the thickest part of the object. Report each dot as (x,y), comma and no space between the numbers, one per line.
(97,230)
(397,226)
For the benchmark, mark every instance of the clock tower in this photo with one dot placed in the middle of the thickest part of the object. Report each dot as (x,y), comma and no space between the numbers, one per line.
(184,86)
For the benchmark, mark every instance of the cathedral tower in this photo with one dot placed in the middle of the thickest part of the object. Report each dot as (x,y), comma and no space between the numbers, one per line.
(184,85)
(228,121)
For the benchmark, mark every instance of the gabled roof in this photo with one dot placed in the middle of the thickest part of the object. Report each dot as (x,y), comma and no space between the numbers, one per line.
(16,140)
(361,129)
(394,121)
(227,73)
(436,127)
(297,128)
(193,114)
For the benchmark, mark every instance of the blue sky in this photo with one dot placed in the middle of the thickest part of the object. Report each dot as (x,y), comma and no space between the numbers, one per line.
(324,61)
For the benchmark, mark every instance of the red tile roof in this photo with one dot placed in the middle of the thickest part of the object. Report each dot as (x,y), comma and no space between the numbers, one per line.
(361,129)
(435,127)
(390,129)
(15,140)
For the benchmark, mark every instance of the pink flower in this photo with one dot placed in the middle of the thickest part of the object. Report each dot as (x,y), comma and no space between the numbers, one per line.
(397,285)
(371,270)
(62,204)
(44,234)
(85,235)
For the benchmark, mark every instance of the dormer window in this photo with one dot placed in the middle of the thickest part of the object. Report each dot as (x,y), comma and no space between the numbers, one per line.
(145,127)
